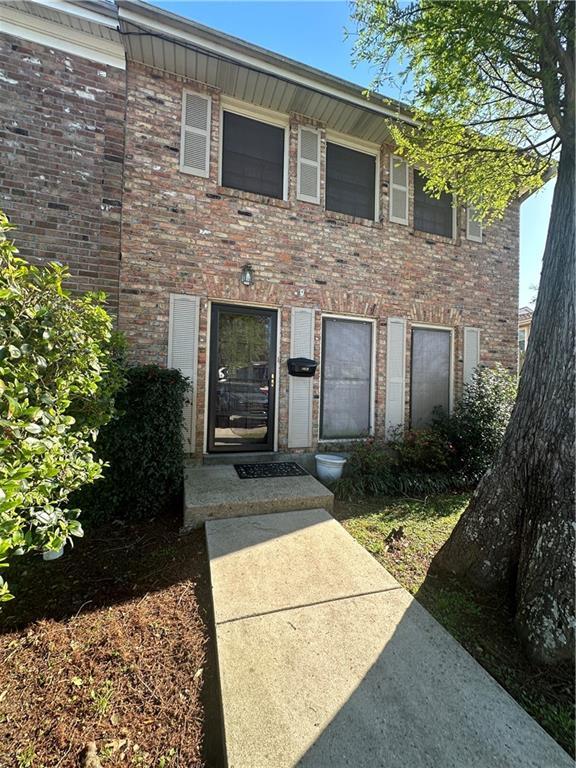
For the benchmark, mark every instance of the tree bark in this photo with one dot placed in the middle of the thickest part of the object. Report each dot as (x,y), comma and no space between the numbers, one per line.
(517,533)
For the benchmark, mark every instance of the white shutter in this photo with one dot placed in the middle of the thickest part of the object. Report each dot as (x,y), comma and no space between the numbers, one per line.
(195,135)
(300,390)
(471,352)
(308,176)
(183,355)
(398,190)
(395,374)
(473,226)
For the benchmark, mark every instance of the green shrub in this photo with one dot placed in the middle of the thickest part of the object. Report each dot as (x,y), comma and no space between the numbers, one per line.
(142,448)
(376,468)
(476,427)
(424,450)
(450,455)
(57,387)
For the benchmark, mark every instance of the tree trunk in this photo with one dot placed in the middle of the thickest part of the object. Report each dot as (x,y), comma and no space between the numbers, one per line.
(517,533)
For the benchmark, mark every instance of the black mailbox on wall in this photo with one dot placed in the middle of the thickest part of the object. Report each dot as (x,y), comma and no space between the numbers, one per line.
(301,366)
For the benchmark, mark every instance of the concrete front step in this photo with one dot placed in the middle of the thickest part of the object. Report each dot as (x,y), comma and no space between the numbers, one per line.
(325,661)
(215,492)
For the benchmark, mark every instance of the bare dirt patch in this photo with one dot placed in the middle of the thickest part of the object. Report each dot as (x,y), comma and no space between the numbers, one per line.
(110,644)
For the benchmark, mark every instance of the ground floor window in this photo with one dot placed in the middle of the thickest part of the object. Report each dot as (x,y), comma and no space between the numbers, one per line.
(430,377)
(346,378)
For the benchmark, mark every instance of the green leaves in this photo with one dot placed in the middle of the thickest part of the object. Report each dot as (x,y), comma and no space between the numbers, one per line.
(142,446)
(59,372)
(451,454)
(489,123)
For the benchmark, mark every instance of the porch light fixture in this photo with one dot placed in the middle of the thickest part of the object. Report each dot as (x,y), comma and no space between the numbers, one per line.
(247,275)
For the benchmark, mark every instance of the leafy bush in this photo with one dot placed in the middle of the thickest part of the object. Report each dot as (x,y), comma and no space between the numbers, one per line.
(142,447)
(450,455)
(424,450)
(476,427)
(57,386)
(376,469)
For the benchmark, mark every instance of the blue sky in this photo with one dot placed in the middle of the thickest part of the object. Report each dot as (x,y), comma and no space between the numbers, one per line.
(314,33)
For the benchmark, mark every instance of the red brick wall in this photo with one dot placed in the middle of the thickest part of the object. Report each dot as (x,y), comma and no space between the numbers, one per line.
(184,234)
(62,139)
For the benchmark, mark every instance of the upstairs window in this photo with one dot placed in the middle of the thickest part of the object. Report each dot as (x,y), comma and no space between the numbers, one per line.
(432,215)
(350,181)
(252,155)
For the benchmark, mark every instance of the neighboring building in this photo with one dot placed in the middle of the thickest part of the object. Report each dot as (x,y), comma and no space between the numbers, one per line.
(524,327)
(262,216)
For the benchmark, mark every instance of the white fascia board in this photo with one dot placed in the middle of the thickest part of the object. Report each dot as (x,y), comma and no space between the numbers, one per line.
(53,35)
(82,13)
(256,63)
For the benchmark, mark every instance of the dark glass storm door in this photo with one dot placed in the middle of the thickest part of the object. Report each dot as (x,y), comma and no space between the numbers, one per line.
(242,379)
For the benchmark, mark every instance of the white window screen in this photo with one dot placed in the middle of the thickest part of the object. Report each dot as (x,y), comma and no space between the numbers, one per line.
(346,375)
(430,375)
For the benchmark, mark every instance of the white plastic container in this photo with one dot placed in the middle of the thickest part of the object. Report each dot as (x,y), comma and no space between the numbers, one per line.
(329,466)
(53,555)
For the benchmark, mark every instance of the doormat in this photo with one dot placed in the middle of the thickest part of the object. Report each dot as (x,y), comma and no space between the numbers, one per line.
(271,469)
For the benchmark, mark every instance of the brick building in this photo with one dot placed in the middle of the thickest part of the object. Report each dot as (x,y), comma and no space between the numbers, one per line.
(260,215)
(62,107)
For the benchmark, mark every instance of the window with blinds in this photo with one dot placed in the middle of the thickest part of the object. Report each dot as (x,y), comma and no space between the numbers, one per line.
(430,375)
(346,378)
(435,216)
(252,155)
(350,181)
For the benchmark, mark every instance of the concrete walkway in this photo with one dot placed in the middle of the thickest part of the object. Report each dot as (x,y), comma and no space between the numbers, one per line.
(326,661)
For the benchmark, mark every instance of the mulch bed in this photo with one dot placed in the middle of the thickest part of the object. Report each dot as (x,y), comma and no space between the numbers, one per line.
(110,644)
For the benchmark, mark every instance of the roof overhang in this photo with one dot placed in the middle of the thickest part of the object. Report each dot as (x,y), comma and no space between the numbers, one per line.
(87,28)
(246,72)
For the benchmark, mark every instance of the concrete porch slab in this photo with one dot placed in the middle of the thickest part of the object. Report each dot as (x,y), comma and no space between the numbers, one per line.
(325,660)
(214,492)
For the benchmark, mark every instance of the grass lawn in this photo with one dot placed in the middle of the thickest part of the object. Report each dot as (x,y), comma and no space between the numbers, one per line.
(110,644)
(404,535)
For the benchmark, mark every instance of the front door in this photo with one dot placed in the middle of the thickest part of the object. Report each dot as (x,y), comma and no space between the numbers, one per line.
(242,379)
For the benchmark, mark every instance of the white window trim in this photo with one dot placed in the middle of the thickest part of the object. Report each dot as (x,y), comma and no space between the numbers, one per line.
(469,214)
(184,128)
(359,319)
(368,148)
(430,327)
(262,115)
(299,159)
(523,331)
(396,219)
